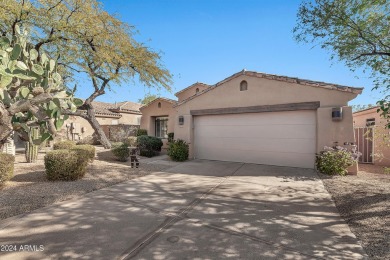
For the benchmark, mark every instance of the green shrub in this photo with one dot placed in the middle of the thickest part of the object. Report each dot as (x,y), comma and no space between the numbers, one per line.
(333,161)
(121,152)
(131,141)
(142,132)
(66,165)
(6,167)
(116,144)
(87,149)
(178,150)
(170,137)
(67,144)
(149,145)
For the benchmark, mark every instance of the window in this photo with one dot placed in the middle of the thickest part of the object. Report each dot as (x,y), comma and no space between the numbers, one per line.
(161,127)
(181,120)
(159,105)
(243,85)
(370,121)
(197,90)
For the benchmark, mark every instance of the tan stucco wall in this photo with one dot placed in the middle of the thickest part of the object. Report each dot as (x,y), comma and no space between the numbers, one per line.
(150,112)
(382,135)
(88,131)
(359,118)
(129,119)
(271,92)
(190,92)
(329,131)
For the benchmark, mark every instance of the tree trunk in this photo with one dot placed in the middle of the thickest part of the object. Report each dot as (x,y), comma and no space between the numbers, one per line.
(98,129)
(90,117)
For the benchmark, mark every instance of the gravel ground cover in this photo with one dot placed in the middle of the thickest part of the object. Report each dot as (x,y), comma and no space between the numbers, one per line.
(29,189)
(364,202)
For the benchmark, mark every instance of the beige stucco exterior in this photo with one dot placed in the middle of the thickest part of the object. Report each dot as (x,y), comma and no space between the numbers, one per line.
(130,119)
(85,128)
(381,139)
(191,91)
(264,91)
(152,110)
(270,92)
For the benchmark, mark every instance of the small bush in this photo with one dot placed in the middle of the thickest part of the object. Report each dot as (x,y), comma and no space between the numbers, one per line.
(87,149)
(65,165)
(121,152)
(116,144)
(67,144)
(149,145)
(131,141)
(178,150)
(386,170)
(170,137)
(142,132)
(333,161)
(6,167)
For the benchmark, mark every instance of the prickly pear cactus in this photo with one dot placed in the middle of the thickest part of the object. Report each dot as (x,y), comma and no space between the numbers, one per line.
(26,74)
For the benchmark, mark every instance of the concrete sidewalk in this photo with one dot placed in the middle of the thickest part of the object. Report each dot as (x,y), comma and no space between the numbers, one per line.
(195,210)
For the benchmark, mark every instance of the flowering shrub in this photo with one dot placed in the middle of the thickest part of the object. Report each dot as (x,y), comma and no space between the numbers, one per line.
(336,160)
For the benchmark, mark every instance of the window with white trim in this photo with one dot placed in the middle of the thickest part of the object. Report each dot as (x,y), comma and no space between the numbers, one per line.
(161,127)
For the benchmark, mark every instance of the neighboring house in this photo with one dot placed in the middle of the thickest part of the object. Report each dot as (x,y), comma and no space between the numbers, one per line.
(121,118)
(372,137)
(107,114)
(257,118)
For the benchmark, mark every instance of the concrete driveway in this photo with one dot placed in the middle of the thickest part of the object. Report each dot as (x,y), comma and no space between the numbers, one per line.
(195,210)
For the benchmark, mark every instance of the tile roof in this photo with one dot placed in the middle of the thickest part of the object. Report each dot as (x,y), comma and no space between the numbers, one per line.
(172,101)
(114,110)
(193,85)
(103,108)
(366,109)
(312,83)
(126,106)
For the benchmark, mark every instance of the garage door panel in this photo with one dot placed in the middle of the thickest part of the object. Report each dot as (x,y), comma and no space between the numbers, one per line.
(254,131)
(253,145)
(271,158)
(266,119)
(276,138)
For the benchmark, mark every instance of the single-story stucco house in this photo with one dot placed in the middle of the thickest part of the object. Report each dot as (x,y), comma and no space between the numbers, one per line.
(372,138)
(255,117)
(107,114)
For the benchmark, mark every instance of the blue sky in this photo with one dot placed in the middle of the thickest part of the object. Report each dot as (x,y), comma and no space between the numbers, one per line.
(209,40)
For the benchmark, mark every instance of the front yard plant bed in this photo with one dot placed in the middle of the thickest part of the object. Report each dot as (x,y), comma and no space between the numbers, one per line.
(29,189)
(364,202)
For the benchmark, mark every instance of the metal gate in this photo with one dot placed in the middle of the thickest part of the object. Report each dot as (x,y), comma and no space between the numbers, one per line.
(364,137)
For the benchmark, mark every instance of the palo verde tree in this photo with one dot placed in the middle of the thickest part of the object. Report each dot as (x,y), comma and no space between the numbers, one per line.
(355,32)
(87,40)
(32,94)
(147,99)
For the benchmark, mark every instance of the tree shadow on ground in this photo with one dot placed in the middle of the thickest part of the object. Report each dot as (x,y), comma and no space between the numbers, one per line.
(192,214)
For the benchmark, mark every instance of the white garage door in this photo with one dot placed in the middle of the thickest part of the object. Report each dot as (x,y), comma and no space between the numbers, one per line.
(274,138)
